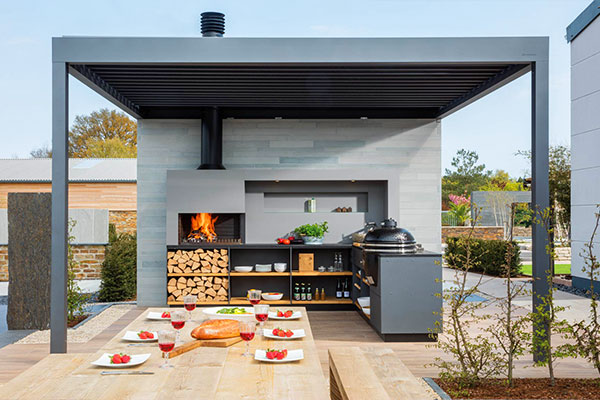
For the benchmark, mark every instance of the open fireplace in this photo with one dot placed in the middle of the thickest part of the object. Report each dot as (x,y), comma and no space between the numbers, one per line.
(202,228)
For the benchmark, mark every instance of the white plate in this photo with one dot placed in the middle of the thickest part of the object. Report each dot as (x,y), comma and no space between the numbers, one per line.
(136,359)
(364,302)
(298,333)
(295,315)
(293,355)
(243,268)
(132,336)
(367,310)
(212,313)
(156,316)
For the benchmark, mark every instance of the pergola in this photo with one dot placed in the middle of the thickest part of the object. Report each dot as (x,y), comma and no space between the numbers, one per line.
(290,78)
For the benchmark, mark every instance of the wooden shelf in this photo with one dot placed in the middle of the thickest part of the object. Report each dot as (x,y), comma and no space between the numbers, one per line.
(361,310)
(175,274)
(358,275)
(357,286)
(317,273)
(328,300)
(244,301)
(200,303)
(365,282)
(259,274)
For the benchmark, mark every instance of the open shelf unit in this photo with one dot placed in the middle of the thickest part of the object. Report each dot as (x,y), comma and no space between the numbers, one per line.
(251,254)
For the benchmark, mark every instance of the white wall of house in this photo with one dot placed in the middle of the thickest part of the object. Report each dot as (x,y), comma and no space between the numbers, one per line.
(585,141)
(411,146)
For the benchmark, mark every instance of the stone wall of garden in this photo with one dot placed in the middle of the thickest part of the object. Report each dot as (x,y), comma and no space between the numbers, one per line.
(3,263)
(124,221)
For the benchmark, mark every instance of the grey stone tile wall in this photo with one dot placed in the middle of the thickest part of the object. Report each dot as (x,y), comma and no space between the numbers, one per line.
(412,146)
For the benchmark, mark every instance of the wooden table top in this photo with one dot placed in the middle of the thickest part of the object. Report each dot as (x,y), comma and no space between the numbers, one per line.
(205,372)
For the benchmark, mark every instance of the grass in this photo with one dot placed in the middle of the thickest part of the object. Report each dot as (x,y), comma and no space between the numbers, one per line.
(560,269)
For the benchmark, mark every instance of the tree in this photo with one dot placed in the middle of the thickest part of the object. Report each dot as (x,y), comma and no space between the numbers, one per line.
(102,134)
(105,125)
(559,181)
(465,177)
(42,152)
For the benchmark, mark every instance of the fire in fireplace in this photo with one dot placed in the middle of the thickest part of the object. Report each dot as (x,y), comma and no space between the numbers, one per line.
(201,228)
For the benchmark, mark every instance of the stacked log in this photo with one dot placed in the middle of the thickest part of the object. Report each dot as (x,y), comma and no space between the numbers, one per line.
(200,261)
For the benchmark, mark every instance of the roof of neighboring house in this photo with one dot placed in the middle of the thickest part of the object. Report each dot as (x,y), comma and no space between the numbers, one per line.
(80,170)
(583,20)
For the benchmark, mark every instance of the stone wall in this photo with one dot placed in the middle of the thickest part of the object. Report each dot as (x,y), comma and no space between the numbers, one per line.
(124,221)
(521,231)
(3,263)
(480,232)
(90,260)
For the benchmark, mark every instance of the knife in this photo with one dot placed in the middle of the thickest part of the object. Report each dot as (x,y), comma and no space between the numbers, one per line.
(142,344)
(126,373)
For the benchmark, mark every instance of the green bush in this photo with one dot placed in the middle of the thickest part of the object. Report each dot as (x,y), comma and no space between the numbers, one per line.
(489,255)
(119,268)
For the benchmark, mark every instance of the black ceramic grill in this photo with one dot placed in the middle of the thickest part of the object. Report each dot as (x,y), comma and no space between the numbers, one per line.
(390,239)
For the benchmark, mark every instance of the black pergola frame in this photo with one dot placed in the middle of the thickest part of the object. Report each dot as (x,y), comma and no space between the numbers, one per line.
(84,58)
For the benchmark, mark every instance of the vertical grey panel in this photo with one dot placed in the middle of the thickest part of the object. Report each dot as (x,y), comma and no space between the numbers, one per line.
(60,179)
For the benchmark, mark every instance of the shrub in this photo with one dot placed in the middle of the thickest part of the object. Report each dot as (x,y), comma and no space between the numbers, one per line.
(119,268)
(76,300)
(316,230)
(490,254)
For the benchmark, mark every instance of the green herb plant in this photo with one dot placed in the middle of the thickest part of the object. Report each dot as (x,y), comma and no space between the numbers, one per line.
(315,230)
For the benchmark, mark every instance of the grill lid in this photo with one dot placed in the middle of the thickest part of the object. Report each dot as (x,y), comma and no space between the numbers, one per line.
(390,233)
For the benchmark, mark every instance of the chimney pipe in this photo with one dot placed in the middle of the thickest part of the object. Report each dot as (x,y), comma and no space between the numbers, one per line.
(212,140)
(212,24)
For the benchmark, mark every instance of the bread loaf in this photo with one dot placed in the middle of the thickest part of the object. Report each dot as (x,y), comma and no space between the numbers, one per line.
(217,329)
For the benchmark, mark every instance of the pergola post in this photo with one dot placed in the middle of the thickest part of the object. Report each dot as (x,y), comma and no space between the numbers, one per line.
(540,194)
(60,178)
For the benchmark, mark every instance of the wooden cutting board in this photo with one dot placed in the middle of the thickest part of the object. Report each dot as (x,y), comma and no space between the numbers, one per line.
(184,348)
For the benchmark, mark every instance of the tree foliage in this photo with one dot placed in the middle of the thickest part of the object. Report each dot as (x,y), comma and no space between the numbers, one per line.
(119,268)
(105,125)
(101,134)
(465,176)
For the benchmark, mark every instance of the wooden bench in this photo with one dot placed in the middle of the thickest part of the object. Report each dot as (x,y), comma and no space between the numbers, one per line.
(358,373)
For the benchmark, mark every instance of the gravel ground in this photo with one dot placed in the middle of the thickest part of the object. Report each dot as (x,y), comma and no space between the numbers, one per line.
(86,331)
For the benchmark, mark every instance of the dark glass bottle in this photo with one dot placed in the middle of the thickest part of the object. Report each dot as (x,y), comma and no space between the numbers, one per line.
(302,292)
(296,291)
(309,292)
(338,289)
(346,289)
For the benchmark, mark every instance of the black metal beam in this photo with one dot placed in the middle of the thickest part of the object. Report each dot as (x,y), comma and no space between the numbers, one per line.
(482,89)
(97,83)
(161,112)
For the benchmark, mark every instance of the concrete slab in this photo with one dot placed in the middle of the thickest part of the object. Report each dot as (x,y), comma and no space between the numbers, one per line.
(9,337)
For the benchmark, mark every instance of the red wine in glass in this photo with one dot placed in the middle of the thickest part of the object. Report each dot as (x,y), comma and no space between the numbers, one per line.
(254,301)
(177,324)
(190,307)
(166,347)
(247,336)
(261,317)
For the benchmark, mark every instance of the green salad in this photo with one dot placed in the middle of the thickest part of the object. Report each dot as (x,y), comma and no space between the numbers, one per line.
(233,310)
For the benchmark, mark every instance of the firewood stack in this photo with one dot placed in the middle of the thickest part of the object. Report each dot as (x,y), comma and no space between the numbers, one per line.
(199,261)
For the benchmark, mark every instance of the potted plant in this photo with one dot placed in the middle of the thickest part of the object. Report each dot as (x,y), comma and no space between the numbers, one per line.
(312,233)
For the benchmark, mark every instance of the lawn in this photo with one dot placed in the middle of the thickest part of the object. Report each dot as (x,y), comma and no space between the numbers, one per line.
(560,269)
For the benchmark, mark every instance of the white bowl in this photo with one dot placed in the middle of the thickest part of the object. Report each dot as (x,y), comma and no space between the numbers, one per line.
(364,302)
(280,267)
(243,268)
(263,267)
(267,296)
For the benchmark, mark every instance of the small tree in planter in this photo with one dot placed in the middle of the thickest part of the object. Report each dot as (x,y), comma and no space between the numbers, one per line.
(587,334)
(475,356)
(545,315)
(312,233)
(510,329)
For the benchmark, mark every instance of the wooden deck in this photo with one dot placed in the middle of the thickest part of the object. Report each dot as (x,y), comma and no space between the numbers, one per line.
(330,329)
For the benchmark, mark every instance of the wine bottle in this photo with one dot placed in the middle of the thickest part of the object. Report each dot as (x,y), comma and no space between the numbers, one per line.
(346,289)
(309,292)
(338,289)
(302,292)
(296,292)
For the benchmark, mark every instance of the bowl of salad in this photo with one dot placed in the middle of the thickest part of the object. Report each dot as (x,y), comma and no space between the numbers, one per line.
(229,312)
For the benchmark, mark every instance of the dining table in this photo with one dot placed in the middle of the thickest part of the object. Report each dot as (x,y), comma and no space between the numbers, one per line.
(201,373)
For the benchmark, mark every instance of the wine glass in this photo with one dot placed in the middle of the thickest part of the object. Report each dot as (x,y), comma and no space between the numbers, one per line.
(189,302)
(178,321)
(254,296)
(247,330)
(166,343)
(261,313)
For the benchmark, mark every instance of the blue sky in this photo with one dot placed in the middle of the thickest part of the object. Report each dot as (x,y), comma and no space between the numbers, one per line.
(496,126)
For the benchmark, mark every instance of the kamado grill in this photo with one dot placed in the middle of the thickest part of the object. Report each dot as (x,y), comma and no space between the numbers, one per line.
(390,239)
